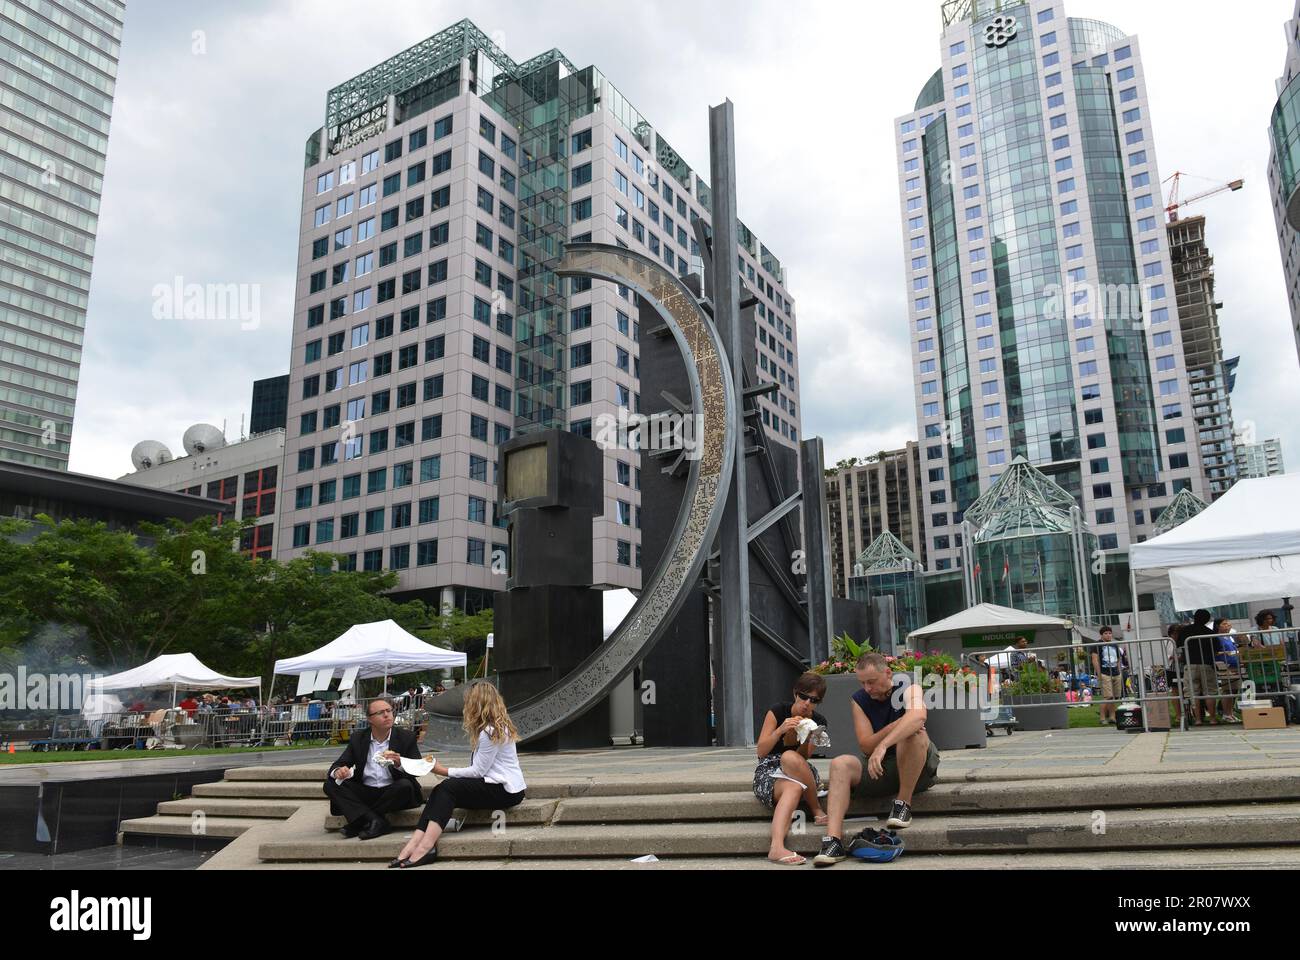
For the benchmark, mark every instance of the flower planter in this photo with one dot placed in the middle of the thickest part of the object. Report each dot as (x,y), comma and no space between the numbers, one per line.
(837,708)
(948,729)
(1039,711)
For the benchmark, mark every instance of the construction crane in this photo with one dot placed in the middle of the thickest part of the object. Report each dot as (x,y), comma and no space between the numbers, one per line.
(1175,203)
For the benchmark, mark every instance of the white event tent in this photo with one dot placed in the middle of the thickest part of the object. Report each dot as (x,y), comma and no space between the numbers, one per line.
(180,671)
(987,626)
(367,650)
(1245,546)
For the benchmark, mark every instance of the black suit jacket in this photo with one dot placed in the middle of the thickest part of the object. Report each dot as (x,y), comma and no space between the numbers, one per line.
(357,751)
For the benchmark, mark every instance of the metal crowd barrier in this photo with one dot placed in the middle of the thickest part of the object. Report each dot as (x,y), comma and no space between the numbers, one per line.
(325,722)
(1267,668)
(1144,680)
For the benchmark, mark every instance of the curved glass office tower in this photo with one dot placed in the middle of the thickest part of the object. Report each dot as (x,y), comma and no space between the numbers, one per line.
(1041,299)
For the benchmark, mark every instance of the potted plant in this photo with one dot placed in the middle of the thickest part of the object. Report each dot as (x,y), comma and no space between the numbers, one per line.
(1037,698)
(841,684)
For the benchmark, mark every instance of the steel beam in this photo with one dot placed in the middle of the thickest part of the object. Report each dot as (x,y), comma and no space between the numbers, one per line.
(817,551)
(735,659)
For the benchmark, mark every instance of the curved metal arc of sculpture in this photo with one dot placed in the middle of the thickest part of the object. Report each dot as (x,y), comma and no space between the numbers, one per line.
(708,482)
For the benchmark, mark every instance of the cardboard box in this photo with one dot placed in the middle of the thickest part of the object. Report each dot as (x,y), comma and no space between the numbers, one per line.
(1264,718)
(1157,712)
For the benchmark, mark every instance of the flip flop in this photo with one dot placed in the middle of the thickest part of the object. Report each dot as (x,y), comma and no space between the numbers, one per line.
(793,860)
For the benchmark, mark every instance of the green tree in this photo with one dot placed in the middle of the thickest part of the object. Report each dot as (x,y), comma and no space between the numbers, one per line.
(184,587)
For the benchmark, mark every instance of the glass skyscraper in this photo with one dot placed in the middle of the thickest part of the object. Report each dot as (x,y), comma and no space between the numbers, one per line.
(58,67)
(1284,168)
(1041,301)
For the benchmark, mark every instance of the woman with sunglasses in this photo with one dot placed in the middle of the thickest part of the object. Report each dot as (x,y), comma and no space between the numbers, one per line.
(784,778)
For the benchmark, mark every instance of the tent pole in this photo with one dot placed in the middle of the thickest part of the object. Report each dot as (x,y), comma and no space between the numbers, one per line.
(173,696)
(1136,644)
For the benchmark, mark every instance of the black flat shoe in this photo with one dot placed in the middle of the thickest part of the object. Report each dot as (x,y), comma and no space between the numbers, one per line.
(428,858)
(395,862)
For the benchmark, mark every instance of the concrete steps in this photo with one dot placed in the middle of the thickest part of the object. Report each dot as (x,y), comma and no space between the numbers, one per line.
(530,813)
(1065,831)
(974,819)
(222,828)
(262,809)
(1254,858)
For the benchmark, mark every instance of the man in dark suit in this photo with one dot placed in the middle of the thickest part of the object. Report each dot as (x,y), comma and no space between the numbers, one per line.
(360,788)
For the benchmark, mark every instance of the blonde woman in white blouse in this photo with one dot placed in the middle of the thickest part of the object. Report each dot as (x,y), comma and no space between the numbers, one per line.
(492,782)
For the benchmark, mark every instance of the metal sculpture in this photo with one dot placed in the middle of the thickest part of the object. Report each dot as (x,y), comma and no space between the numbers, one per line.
(713,399)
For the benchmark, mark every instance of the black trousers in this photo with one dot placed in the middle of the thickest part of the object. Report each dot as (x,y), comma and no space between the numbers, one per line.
(354,800)
(467,793)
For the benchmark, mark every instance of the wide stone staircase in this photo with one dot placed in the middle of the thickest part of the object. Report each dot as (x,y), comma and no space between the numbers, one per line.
(277,816)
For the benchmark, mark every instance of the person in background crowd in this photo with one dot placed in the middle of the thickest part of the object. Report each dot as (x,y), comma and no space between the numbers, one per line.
(189,704)
(1228,667)
(439,690)
(1019,655)
(1202,679)
(1108,663)
(1172,673)
(784,778)
(1264,620)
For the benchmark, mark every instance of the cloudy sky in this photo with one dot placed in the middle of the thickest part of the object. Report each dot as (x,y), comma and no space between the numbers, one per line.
(215,101)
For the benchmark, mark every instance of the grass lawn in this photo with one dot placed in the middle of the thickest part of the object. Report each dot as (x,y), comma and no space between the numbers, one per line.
(1085,716)
(61,756)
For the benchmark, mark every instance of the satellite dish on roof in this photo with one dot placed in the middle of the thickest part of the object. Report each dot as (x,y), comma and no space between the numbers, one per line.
(202,437)
(149,453)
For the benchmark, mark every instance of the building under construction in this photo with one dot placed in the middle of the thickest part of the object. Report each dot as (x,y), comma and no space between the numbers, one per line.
(1211,377)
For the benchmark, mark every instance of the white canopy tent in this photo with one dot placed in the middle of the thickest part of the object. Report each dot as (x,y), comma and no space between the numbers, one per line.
(988,627)
(991,621)
(369,650)
(1245,546)
(180,671)
(617,603)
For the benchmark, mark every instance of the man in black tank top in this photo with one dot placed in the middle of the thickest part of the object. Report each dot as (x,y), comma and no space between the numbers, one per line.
(900,759)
